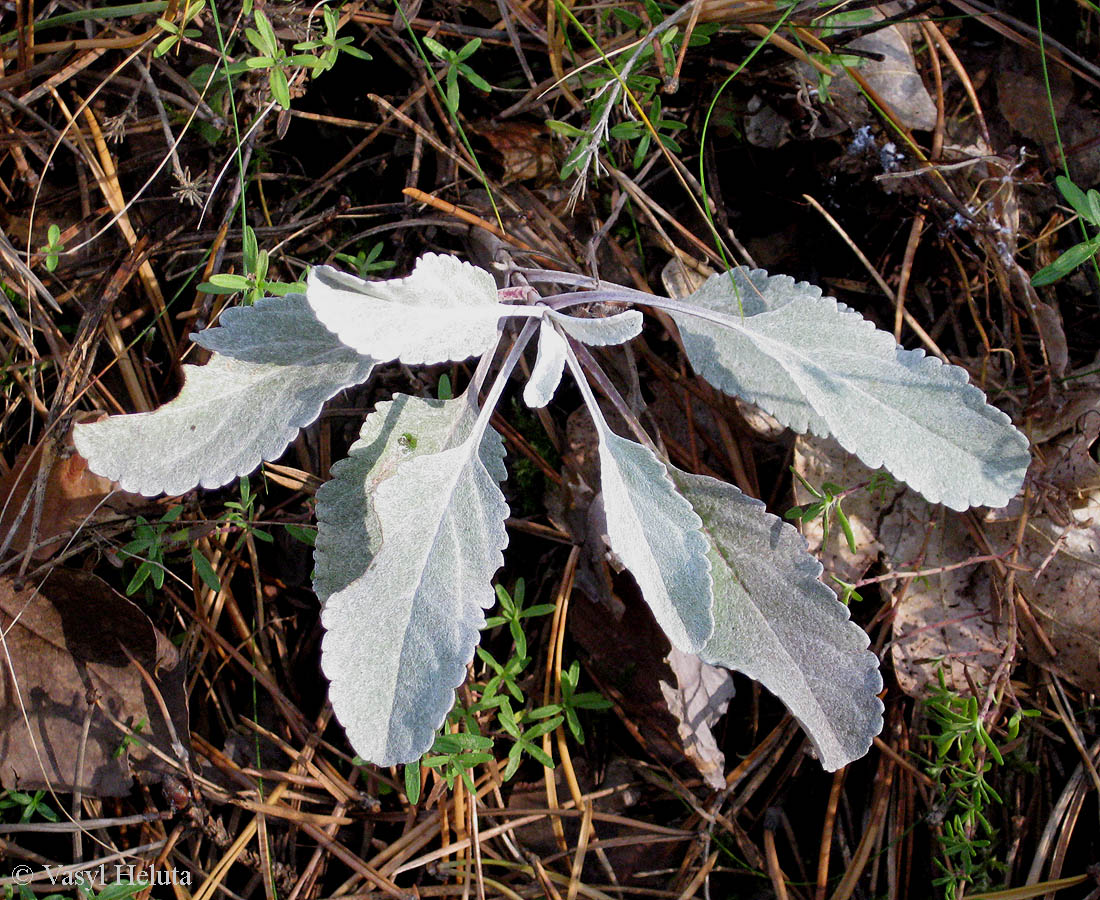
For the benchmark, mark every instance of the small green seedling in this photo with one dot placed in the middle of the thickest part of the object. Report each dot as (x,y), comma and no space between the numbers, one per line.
(638,131)
(130,739)
(177,32)
(571,701)
(149,546)
(53,247)
(965,754)
(827,506)
(254,284)
(274,58)
(513,613)
(330,45)
(28,805)
(457,755)
(456,66)
(1087,206)
(367,263)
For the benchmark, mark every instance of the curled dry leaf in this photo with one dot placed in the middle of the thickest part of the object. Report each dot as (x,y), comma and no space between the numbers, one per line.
(63,641)
(697,700)
(1062,589)
(895,77)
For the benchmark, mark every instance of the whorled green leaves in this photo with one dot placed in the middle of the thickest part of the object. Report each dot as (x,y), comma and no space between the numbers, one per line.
(399,635)
(274,366)
(816,365)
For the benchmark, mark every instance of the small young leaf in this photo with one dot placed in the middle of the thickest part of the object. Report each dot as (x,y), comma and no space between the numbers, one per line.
(274,365)
(1065,263)
(437,49)
(468,49)
(399,638)
(268,42)
(603,332)
(280,88)
(817,365)
(774,621)
(476,80)
(445,310)
(1078,199)
(250,247)
(206,571)
(549,364)
(412,782)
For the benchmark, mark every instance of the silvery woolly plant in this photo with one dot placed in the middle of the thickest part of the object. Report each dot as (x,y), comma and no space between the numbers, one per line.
(411,528)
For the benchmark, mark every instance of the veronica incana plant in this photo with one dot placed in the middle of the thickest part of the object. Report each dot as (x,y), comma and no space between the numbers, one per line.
(411,528)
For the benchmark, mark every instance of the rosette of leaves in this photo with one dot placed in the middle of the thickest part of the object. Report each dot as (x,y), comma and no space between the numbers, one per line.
(412,524)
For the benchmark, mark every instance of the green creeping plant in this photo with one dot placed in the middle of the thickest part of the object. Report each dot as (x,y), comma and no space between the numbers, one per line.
(411,532)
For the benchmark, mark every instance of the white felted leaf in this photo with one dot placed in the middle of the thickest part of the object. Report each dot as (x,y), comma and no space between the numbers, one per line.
(348,532)
(603,332)
(274,367)
(399,636)
(445,310)
(775,622)
(655,532)
(817,365)
(549,363)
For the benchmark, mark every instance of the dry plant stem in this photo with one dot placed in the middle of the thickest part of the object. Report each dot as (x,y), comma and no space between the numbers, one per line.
(85,824)
(696,882)
(925,338)
(884,778)
(1075,786)
(906,270)
(775,873)
(473,220)
(826,845)
(581,851)
(653,211)
(551,687)
(352,861)
(964,77)
(990,16)
(1063,706)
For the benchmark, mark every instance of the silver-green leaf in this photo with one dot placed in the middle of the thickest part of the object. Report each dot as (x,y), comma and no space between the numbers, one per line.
(549,364)
(601,332)
(400,635)
(445,310)
(776,622)
(273,368)
(817,365)
(656,534)
(348,532)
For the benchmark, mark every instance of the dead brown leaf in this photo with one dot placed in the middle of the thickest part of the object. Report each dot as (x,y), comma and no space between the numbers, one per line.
(63,641)
(947,619)
(72,494)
